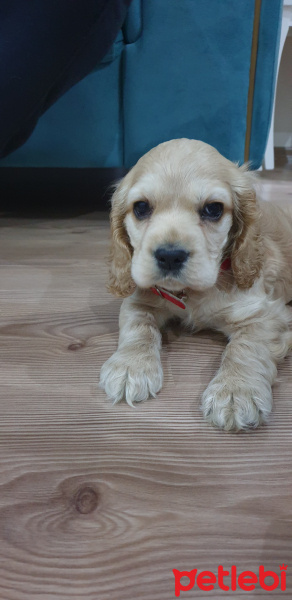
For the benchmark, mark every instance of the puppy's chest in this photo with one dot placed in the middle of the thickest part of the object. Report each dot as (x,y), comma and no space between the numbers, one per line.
(201,315)
(209,308)
(203,310)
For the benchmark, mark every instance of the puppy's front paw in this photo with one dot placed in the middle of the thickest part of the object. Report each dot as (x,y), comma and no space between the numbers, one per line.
(233,406)
(135,378)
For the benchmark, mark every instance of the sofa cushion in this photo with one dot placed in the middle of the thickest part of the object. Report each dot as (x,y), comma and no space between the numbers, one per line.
(188,75)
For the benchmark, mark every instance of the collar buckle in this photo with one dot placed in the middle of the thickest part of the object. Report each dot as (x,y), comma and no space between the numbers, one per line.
(166,295)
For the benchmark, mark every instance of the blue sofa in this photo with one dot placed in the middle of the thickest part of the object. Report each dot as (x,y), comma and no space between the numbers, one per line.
(201,69)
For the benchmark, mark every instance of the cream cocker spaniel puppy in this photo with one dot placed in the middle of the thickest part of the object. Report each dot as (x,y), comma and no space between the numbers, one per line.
(190,239)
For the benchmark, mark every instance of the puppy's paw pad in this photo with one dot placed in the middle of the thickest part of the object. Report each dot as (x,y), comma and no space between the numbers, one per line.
(131,377)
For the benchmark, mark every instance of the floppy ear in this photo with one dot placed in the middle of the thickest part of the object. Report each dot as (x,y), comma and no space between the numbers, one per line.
(121,283)
(245,243)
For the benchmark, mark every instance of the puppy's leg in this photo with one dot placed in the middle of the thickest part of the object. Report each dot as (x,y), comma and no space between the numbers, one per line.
(240,395)
(134,372)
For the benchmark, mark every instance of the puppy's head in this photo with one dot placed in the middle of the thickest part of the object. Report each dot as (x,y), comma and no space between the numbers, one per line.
(177,214)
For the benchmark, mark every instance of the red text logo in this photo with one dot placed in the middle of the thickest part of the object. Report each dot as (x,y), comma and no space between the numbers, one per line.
(230,580)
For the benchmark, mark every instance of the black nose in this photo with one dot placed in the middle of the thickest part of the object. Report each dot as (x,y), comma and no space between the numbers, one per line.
(170,259)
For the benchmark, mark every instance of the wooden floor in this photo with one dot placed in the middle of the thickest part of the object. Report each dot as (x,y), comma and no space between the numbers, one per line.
(100,502)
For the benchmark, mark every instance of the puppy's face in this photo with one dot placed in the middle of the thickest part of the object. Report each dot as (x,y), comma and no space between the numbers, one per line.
(178,207)
(178,226)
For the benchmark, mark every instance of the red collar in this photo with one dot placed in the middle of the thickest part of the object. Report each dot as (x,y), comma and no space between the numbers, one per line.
(178,300)
(226,265)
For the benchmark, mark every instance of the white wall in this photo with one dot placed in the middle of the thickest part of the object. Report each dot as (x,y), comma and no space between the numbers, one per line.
(283,111)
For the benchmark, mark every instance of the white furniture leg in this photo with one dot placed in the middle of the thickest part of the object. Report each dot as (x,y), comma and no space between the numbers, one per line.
(269,161)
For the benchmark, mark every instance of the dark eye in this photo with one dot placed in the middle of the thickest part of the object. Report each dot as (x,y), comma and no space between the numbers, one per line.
(142,209)
(212,211)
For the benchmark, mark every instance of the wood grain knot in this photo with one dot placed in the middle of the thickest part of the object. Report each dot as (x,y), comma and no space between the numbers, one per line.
(76,346)
(86,500)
